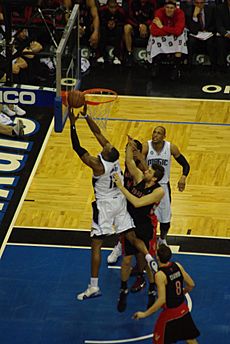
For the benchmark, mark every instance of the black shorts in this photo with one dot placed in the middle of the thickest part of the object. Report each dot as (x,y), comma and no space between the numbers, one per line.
(144,232)
(181,329)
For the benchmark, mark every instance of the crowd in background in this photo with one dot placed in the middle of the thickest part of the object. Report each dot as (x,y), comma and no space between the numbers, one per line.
(175,30)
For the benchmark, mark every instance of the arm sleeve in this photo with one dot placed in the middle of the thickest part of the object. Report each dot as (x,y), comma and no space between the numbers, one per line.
(76,143)
(179,25)
(184,163)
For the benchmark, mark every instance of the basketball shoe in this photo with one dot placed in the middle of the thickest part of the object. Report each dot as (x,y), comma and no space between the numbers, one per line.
(161,242)
(122,300)
(90,292)
(115,254)
(138,284)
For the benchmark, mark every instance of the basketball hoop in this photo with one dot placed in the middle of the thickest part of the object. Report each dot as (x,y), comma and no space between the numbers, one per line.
(100,103)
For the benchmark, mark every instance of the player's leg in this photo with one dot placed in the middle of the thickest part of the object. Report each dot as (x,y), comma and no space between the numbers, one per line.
(115,254)
(125,273)
(93,289)
(101,226)
(163,213)
(140,280)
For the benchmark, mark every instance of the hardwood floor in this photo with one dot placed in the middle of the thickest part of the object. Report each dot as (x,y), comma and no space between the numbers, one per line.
(61,192)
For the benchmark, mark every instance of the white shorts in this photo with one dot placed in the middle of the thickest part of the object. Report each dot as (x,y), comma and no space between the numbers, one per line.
(163,211)
(110,215)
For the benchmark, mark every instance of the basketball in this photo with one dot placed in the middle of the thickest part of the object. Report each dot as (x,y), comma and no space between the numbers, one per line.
(76,99)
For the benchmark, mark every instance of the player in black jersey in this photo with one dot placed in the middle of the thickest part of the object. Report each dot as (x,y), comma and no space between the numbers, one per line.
(142,196)
(174,322)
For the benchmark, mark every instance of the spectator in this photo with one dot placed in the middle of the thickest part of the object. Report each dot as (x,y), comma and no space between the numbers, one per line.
(89,22)
(200,18)
(112,20)
(167,37)
(223,33)
(28,48)
(140,15)
(10,128)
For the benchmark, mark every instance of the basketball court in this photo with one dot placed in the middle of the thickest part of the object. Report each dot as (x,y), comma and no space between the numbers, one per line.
(46,214)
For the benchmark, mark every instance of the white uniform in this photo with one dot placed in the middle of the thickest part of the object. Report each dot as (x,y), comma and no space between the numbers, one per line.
(110,207)
(163,158)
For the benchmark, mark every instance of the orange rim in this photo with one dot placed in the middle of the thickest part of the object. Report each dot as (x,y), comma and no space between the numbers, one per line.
(100,91)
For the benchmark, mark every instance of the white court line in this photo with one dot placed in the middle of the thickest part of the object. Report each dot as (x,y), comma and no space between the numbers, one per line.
(88,230)
(27,187)
(110,249)
(136,339)
(172,98)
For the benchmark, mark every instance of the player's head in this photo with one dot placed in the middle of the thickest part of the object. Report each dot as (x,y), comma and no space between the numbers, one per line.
(170,7)
(154,173)
(112,6)
(159,134)
(164,254)
(110,153)
(199,3)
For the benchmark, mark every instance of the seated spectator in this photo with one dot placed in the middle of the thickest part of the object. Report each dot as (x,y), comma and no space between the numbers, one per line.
(28,50)
(12,110)
(89,23)
(223,34)
(10,128)
(112,20)
(200,19)
(140,15)
(167,37)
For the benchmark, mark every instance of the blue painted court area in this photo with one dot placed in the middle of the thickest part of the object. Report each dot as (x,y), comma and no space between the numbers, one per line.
(38,306)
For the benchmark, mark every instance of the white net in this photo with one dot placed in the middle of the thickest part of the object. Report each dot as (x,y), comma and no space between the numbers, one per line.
(100,104)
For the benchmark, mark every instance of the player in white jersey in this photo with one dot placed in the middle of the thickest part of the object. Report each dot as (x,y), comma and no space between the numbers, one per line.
(159,151)
(110,207)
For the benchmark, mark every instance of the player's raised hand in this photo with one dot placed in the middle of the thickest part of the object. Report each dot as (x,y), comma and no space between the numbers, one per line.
(117,180)
(84,111)
(72,117)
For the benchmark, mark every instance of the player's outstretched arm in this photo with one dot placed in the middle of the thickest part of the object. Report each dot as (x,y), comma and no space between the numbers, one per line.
(135,172)
(160,280)
(155,196)
(94,127)
(83,154)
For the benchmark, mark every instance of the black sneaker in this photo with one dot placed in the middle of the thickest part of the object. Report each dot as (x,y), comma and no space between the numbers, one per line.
(176,74)
(121,305)
(152,294)
(129,60)
(155,70)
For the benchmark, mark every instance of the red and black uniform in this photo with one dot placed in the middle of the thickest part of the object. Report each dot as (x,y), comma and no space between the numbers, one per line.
(175,322)
(111,28)
(141,12)
(128,183)
(171,25)
(142,216)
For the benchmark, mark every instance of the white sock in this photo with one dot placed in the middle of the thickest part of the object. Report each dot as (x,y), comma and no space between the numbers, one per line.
(94,282)
(148,257)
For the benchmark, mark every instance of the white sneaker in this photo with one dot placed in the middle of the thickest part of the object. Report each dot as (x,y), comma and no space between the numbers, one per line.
(4,119)
(90,292)
(18,128)
(161,242)
(115,254)
(100,59)
(116,61)
(18,111)
(8,111)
